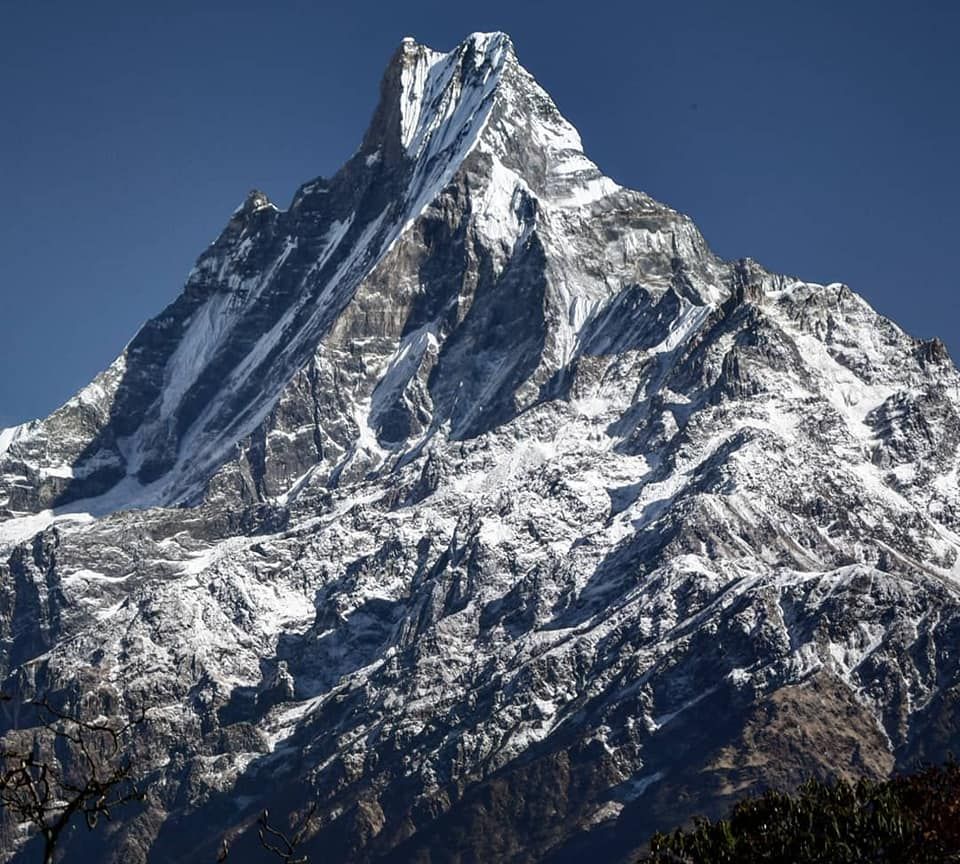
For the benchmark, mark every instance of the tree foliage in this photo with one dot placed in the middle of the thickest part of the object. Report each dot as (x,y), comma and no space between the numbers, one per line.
(910,819)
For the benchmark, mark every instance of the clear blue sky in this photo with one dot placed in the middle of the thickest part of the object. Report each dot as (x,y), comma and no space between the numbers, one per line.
(820,138)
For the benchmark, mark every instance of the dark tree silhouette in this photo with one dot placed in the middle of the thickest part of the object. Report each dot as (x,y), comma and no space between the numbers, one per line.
(96,776)
(279,843)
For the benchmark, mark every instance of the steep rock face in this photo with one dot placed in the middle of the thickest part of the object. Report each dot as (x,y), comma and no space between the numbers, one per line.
(473,498)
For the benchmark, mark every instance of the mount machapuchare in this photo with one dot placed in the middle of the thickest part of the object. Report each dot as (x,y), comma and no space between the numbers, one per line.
(473,499)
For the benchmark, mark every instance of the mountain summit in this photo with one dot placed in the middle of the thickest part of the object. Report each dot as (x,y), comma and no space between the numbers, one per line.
(473,498)
(278,284)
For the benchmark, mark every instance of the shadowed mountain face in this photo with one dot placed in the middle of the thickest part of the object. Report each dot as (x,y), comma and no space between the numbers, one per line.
(474,499)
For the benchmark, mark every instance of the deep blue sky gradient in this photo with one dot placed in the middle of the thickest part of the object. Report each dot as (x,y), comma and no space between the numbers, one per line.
(820,138)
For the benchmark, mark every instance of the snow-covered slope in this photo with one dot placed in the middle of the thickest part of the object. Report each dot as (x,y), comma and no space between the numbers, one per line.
(475,499)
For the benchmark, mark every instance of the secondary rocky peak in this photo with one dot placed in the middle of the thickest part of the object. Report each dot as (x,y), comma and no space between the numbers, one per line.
(255,202)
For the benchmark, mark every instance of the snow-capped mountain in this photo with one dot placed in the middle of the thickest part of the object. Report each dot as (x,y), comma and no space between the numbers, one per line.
(473,498)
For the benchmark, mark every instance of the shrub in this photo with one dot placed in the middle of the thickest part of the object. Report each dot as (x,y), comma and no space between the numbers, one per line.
(910,819)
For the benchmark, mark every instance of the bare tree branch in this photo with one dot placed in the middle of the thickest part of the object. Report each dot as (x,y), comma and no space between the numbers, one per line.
(277,842)
(38,792)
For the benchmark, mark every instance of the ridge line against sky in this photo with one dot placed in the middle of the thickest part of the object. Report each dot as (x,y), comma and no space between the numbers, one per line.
(820,141)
